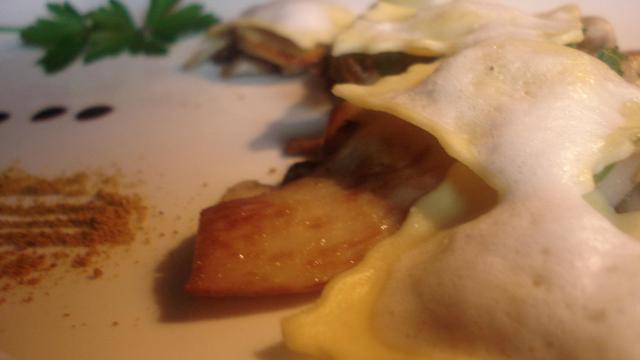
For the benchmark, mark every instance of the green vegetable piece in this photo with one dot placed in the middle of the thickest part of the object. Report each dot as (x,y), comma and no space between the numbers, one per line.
(63,36)
(612,57)
(603,173)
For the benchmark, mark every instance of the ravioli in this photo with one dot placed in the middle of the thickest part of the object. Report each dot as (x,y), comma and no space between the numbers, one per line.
(429,28)
(287,36)
(540,267)
(308,23)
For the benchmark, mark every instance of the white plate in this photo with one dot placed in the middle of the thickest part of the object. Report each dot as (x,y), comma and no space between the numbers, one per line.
(176,132)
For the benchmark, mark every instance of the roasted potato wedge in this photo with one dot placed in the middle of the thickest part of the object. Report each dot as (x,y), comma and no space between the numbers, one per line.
(294,238)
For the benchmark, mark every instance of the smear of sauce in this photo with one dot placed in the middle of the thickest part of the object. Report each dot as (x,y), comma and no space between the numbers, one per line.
(49,113)
(94,112)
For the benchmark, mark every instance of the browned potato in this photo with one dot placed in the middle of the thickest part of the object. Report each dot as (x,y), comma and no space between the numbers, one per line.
(287,241)
(295,238)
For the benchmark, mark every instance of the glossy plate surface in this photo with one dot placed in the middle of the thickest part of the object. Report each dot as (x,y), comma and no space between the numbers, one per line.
(184,137)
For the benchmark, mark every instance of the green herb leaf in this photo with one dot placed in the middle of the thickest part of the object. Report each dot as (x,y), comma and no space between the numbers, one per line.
(145,45)
(113,31)
(63,54)
(166,24)
(158,9)
(109,30)
(612,57)
(63,36)
(112,17)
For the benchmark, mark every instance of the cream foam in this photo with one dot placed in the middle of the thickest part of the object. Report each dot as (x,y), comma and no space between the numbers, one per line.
(543,275)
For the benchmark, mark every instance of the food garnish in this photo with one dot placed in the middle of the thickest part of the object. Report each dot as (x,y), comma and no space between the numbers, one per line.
(70,221)
(49,112)
(109,30)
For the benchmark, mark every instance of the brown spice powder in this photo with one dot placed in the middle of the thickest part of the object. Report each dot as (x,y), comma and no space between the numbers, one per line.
(16,181)
(65,221)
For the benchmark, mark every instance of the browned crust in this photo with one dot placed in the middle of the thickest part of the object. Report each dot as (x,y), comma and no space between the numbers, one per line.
(295,238)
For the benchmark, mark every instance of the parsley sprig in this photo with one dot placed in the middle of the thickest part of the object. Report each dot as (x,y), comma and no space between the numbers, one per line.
(109,31)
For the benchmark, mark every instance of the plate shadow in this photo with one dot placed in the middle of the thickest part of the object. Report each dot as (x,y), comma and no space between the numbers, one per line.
(279,351)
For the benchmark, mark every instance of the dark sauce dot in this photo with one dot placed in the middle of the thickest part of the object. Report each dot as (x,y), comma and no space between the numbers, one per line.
(49,113)
(93,112)
(4,116)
